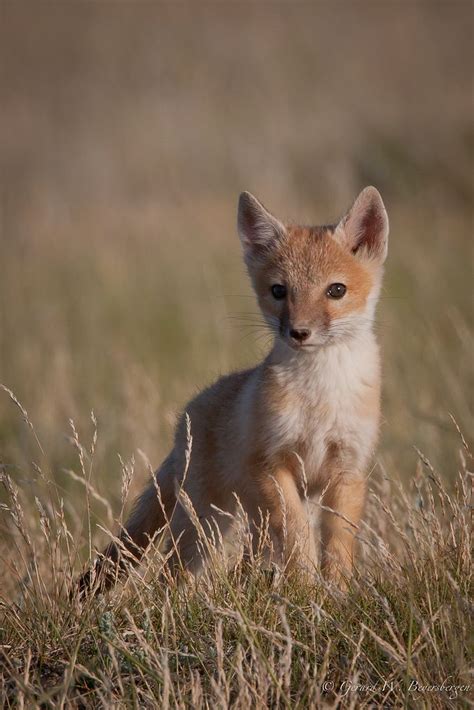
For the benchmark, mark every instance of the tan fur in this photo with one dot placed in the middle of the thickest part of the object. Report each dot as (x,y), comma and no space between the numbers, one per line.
(317,404)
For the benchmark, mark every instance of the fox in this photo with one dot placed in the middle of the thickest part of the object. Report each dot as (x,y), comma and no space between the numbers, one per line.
(301,426)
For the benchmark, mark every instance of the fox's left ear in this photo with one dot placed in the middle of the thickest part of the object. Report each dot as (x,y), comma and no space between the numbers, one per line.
(364,229)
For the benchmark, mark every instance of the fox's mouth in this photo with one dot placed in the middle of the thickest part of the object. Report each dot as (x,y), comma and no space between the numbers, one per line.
(303,346)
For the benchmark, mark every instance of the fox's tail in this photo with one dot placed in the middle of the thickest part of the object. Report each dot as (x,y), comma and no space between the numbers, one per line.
(151,512)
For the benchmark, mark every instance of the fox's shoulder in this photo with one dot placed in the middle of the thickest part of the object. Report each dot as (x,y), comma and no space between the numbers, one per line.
(215,401)
(222,390)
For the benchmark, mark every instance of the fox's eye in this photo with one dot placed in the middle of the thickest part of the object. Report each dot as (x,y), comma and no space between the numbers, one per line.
(278,291)
(336,291)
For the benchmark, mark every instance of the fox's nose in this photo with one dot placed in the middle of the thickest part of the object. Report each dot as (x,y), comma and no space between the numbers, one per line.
(300,334)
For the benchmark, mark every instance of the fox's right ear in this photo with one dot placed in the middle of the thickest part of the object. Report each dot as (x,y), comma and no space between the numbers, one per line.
(258,229)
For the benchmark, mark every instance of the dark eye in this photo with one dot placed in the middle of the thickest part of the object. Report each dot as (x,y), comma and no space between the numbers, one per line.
(278,291)
(336,291)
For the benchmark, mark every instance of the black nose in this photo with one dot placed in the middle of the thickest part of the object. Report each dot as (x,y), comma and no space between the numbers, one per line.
(300,334)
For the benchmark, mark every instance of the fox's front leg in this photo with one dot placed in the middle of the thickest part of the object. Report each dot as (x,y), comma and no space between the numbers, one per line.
(345,495)
(290,525)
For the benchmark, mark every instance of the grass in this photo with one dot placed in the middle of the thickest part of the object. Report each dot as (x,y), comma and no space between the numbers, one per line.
(126,135)
(246,636)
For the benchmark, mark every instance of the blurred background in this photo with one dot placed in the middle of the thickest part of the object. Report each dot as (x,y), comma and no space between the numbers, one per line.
(127,131)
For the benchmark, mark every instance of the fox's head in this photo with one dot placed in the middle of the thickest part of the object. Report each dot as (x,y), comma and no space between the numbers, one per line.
(316,285)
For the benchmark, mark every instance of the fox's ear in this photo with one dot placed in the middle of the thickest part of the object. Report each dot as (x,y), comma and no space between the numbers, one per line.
(258,229)
(364,229)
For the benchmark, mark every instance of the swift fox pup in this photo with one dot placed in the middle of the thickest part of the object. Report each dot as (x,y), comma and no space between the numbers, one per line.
(303,423)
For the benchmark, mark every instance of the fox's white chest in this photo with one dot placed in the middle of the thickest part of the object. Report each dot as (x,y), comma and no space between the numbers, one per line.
(326,404)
